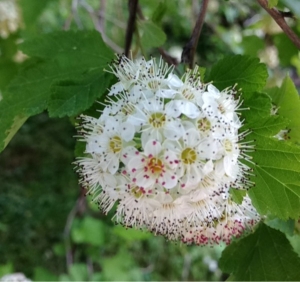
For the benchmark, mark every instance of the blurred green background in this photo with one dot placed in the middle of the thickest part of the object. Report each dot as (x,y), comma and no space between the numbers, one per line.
(49,230)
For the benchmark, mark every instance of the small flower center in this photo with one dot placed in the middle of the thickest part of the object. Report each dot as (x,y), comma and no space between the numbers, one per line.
(222,109)
(128,109)
(115,144)
(228,145)
(157,120)
(188,156)
(137,192)
(154,84)
(155,165)
(188,94)
(204,124)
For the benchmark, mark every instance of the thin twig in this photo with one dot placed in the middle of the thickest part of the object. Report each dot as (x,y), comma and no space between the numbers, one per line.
(188,52)
(99,26)
(78,208)
(101,14)
(75,14)
(132,5)
(279,18)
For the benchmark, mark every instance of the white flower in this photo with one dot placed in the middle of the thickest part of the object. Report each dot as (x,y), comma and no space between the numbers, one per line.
(9,17)
(165,151)
(153,165)
(154,122)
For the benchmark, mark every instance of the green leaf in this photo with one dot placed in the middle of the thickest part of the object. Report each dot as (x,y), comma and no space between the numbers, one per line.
(285,226)
(257,117)
(14,127)
(159,12)
(42,274)
(78,272)
(31,9)
(277,169)
(69,55)
(286,98)
(152,35)
(248,73)
(6,268)
(265,255)
(272,3)
(252,44)
(130,234)
(72,97)
(286,49)
(277,177)
(237,195)
(121,267)
(89,230)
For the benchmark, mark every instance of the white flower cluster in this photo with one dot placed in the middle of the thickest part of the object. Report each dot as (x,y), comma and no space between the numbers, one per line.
(167,151)
(9,17)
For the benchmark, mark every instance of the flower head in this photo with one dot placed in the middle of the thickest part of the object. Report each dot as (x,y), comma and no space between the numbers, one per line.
(9,17)
(167,150)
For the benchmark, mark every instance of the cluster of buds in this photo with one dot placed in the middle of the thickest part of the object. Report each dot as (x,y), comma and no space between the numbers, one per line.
(166,151)
(9,17)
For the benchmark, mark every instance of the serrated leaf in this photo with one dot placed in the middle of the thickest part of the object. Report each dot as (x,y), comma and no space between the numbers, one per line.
(277,168)
(285,226)
(257,115)
(152,35)
(286,98)
(29,93)
(265,255)
(248,73)
(72,97)
(16,125)
(277,177)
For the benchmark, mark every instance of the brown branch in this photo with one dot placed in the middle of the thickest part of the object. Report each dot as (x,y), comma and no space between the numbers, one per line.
(189,50)
(132,5)
(279,18)
(167,57)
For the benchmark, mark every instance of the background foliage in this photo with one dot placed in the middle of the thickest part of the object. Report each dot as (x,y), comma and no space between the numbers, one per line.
(49,231)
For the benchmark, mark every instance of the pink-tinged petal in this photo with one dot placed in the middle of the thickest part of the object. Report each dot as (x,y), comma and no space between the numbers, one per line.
(135,163)
(152,147)
(168,180)
(171,159)
(151,134)
(128,153)
(144,180)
